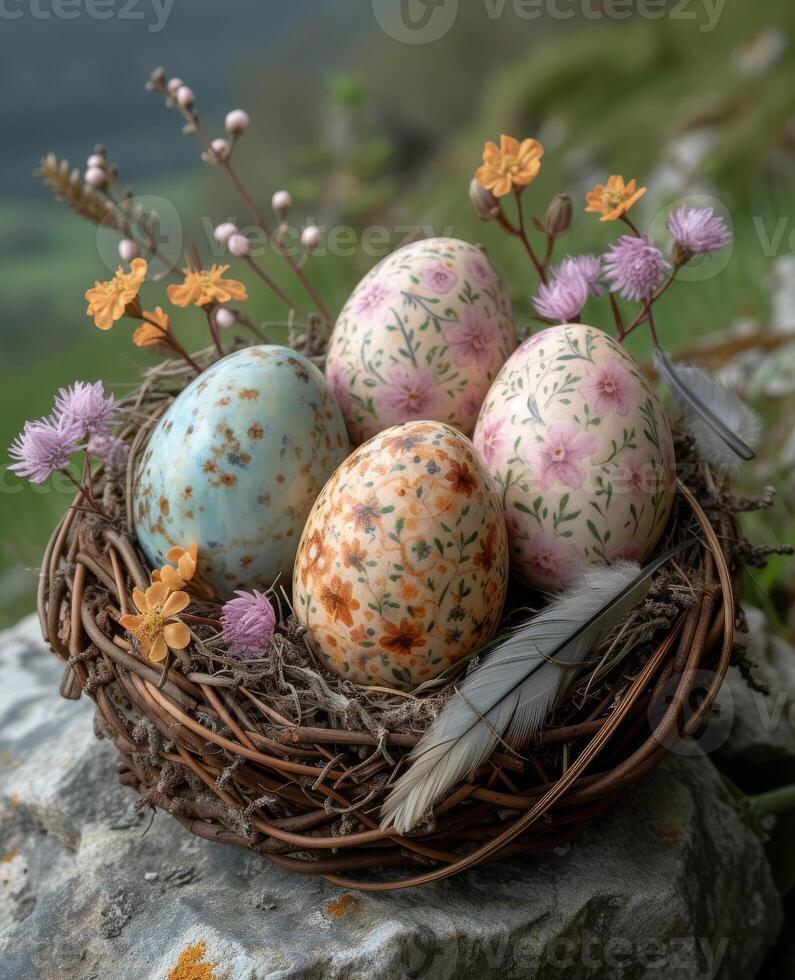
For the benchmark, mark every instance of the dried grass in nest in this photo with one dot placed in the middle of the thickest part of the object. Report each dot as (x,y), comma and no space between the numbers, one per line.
(284,758)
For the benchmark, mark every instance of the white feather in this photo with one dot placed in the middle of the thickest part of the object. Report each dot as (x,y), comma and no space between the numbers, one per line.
(723,426)
(509,696)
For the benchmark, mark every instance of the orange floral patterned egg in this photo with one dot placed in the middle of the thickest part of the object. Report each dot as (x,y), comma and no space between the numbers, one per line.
(580,450)
(422,337)
(403,564)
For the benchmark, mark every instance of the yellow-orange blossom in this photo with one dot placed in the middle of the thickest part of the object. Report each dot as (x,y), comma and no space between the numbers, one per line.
(205,286)
(185,560)
(156,628)
(149,335)
(108,300)
(511,164)
(614,199)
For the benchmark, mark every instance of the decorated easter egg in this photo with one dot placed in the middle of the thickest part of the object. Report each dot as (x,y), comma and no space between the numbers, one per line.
(422,337)
(235,465)
(581,452)
(403,564)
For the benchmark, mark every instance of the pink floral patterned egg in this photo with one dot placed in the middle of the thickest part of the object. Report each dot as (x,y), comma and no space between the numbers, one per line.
(581,452)
(422,337)
(402,568)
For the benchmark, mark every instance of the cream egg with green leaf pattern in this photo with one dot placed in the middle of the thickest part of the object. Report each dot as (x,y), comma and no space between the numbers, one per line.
(422,337)
(581,452)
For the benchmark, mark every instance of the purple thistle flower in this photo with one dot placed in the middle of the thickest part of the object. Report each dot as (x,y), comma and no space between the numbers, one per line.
(44,447)
(248,623)
(110,450)
(697,230)
(87,405)
(635,267)
(588,266)
(562,298)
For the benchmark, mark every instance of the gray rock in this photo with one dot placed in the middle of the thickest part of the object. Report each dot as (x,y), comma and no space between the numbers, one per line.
(669,883)
(753,734)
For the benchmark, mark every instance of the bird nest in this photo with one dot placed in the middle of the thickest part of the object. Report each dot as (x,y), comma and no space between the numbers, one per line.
(289,761)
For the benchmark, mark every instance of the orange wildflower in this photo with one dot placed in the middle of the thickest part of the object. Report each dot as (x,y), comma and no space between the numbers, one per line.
(156,628)
(149,335)
(185,560)
(108,301)
(614,199)
(205,286)
(511,164)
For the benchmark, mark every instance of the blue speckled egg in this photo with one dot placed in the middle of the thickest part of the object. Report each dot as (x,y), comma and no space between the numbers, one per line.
(235,465)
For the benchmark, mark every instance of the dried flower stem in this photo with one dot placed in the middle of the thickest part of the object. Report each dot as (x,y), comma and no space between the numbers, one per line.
(68,186)
(652,327)
(263,224)
(620,330)
(549,250)
(259,334)
(631,225)
(520,231)
(171,341)
(269,282)
(98,207)
(645,313)
(213,330)
(86,493)
(128,222)
(259,219)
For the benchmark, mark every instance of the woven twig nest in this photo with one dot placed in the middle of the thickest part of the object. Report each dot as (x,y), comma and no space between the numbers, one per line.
(293,763)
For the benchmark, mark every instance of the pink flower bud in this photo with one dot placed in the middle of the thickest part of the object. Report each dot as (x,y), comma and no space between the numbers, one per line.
(225,318)
(310,237)
(239,246)
(185,97)
(96,160)
(96,177)
(281,202)
(237,121)
(128,250)
(224,232)
(220,148)
(174,85)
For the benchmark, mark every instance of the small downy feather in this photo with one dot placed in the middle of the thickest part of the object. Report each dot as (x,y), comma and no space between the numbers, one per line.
(506,700)
(722,425)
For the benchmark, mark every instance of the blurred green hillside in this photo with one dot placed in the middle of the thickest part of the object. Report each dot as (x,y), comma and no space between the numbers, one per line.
(392,141)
